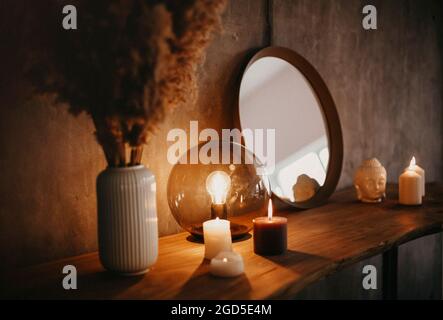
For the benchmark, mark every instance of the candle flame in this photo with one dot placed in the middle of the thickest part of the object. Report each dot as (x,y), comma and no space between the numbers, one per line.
(412,164)
(225,260)
(270,209)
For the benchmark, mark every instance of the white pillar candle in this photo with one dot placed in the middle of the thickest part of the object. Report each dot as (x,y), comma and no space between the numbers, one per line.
(420,172)
(227,264)
(410,187)
(217,237)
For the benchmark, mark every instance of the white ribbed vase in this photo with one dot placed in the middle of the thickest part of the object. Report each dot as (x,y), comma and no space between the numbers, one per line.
(127,219)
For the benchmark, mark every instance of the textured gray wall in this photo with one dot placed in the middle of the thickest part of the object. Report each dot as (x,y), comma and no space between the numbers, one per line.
(387,83)
(387,86)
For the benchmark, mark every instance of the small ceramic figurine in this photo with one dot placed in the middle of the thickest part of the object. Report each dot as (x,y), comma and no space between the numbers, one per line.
(305,188)
(370,181)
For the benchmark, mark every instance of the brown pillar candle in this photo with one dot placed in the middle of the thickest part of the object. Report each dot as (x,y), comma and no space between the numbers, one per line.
(270,234)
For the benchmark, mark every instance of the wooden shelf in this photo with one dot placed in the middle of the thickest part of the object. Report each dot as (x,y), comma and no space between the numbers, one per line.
(320,242)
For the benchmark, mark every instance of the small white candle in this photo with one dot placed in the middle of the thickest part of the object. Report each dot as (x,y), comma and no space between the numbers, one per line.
(420,172)
(227,264)
(410,187)
(217,237)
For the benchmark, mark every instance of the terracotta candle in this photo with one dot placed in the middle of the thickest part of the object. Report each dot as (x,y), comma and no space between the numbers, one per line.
(227,264)
(420,172)
(410,187)
(270,234)
(217,237)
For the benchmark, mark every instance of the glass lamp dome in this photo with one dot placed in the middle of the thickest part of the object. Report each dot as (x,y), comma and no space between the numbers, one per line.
(218,179)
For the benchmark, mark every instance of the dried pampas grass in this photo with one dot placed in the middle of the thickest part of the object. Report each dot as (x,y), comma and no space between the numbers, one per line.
(129,62)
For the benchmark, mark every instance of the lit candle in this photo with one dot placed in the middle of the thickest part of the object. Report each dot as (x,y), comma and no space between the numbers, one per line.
(420,172)
(217,237)
(410,186)
(227,264)
(270,234)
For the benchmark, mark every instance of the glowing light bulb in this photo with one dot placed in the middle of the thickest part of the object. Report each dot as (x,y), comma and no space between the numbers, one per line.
(412,164)
(218,184)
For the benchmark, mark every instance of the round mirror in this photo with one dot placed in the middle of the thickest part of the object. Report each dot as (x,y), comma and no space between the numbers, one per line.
(285,105)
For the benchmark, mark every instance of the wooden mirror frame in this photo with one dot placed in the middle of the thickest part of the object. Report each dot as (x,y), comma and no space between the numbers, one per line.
(330,118)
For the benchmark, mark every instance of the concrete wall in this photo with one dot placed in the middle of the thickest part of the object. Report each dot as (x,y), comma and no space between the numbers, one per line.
(387,85)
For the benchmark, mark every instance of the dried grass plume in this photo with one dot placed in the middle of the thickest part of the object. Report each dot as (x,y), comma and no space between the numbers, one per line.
(127,64)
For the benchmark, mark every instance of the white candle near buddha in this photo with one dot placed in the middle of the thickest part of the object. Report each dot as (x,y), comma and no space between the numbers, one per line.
(217,237)
(410,186)
(420,172)
(227,264)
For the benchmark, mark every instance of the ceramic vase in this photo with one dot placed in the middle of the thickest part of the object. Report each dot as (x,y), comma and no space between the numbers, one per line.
(127,219)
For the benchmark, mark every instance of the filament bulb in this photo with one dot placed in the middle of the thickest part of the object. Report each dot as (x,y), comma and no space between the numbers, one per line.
(217,185)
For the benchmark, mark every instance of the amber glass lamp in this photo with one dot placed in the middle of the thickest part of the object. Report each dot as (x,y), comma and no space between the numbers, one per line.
(218,179)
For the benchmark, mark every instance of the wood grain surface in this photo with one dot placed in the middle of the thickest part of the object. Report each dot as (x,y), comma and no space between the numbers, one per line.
(320,242)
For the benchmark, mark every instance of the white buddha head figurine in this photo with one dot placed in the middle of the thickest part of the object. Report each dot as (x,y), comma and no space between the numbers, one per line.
(370,181)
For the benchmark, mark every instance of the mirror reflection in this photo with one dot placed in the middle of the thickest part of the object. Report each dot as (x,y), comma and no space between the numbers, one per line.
(276,95)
